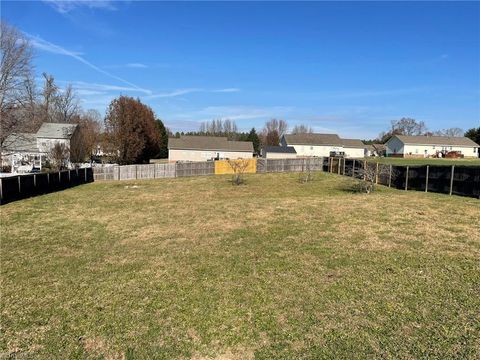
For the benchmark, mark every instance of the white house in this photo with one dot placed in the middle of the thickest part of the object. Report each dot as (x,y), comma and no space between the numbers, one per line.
(25,151)
(50,134)
(426,146)
(353,148)
(323,145)
(203,148)
(278,152)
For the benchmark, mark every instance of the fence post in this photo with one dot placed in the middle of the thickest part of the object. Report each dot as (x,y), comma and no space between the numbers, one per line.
(390,177)
(19,185)
(376,175)
(136,171)
(451,179)
(339,162)
(353,168)
(69,173)
(34,180)
(343,167)
(154,171)
(365,170)
(1,190)
(406,179)
(426,178)
(48,178)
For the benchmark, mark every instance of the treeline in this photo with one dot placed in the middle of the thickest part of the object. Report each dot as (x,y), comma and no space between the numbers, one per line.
(409,126)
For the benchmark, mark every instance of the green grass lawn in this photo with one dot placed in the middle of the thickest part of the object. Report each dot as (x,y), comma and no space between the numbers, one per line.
(407,161)
(197,268)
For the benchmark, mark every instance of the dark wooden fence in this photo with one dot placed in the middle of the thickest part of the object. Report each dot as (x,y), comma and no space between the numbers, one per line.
(23,186)
(453,180)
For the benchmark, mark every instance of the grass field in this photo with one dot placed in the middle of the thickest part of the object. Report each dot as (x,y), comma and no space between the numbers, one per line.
(407,161)
(196,268)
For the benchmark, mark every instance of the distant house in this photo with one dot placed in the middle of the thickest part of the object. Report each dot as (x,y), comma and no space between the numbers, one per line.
(50,134)
(203,148)
(323,145)
(425,146)
(25,151)
(278,152)
(375,150)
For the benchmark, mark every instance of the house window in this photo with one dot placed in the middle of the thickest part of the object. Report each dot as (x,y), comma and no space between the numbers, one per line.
(474,150)
(311,147)
(416,151)
(433,147)
(450,148)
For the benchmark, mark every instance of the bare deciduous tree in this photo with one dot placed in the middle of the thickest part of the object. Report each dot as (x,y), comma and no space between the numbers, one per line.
(59,156)
(370,173)
(451,132)
(66,105)
(219,127)
(306,174)
(239,167)
(15,79)
(272,132)
(302,129)
(86,137)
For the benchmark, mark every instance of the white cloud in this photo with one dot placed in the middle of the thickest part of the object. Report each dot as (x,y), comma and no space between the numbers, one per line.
(65,6)
(237,113)
(226,90)
(137,65)
(174,93)
(81,85)
(47,46)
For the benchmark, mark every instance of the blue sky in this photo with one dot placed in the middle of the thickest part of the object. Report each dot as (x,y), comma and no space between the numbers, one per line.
(344,67)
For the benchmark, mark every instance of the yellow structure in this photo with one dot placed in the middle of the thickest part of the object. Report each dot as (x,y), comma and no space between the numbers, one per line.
(225,167)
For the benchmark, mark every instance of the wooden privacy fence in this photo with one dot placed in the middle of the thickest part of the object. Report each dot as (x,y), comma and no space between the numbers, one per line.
(289,165)
(453,180)
(156,171)
(224,167)
(23,186)
(131,172)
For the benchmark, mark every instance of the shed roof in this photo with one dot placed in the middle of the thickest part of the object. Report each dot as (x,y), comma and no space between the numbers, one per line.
(313,139)
(279,149)
(56,130)
(437,140)
(209,143)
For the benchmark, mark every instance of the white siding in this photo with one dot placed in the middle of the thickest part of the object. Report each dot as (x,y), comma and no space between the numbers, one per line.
(354,152)
(428,150)
(314,150)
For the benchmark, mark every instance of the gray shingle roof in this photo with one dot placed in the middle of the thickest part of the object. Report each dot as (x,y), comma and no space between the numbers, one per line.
(56,130)
(22,142)
(279,149)
(209,143)
(313,139)
(437,140)
(353,143)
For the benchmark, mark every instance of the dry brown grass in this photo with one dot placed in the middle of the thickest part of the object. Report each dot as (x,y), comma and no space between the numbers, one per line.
(198,268)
